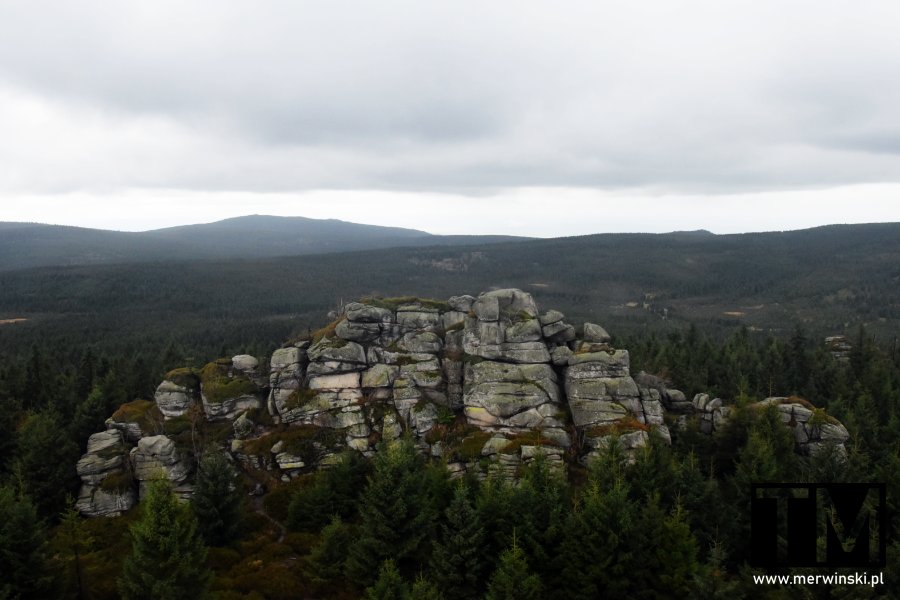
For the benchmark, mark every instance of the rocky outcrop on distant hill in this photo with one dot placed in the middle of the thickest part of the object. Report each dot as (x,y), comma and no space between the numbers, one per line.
(486,384)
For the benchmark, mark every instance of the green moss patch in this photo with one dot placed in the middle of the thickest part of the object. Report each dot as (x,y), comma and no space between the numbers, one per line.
(218,386)
(470,447)
(299,440)
(531,438)
(143,412)
(393,304)
(186,377)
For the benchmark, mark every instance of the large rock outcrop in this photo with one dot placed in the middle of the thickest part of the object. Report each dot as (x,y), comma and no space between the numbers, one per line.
(487,384)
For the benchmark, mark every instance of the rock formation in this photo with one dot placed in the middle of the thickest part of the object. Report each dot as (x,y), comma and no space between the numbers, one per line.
(485,384)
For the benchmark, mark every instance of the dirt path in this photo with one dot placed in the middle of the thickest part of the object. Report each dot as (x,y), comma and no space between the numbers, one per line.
(259,508)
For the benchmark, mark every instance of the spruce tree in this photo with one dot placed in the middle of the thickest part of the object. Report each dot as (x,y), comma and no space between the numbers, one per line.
(73,541)
(389,585)
(423,589)
(396,513)
(511,580)
(167,557)
(457,559)
(217,500)
(44,465)
(327,560)
(22,549)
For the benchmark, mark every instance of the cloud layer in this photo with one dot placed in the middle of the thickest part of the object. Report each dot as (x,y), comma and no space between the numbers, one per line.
(476,99)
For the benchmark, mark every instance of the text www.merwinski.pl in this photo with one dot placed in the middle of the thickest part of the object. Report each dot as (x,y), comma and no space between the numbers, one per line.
(832,579)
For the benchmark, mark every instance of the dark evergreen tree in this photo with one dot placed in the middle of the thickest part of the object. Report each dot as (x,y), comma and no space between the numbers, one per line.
(45,462)
(90,416)
(396,513)
(87,372)
(512,580)
(389,585)
(458,558)
(167,557)
(23,545)
(217,500)
(328,559)
(39,381)
(73,541)
(424,589)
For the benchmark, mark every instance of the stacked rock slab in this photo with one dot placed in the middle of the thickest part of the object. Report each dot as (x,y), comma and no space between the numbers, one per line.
(288,369)
(157,456)
(178,392)
(606,402)
(106,489)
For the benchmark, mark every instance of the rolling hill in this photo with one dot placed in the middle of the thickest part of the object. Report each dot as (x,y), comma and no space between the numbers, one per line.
(24,245)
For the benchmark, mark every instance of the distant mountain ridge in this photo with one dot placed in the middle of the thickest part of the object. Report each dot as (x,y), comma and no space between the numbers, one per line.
(24,245)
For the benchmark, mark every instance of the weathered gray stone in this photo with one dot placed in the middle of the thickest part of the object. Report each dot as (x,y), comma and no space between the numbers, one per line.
(340,381)
(365,313)
(599,364)
(245,363)
(94,501)
(380,375)
(173,400)
(595,333)
(461,303)
(524,331)
(421,342)
(593,412)
(243,426)
(417,319)
(560,356)
(157,456)
(284,358)
(512,303)
(358,332)
(559,333)
(229,408)
(551,316)
(337,351)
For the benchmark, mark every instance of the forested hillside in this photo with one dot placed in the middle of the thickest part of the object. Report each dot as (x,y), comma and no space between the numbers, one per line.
(24,245)
(740,318)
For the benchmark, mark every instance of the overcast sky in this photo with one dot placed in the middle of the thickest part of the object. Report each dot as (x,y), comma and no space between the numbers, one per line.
(530,118)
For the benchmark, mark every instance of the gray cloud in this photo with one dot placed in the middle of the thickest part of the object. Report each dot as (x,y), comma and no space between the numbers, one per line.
(695,97)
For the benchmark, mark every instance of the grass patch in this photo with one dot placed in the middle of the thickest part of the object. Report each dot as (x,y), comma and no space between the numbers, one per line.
(819,416)
(299,398)
(303,441)
(470,447)
(325,332)
(186,377)
(531,438)
(393,304)
(143,412)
